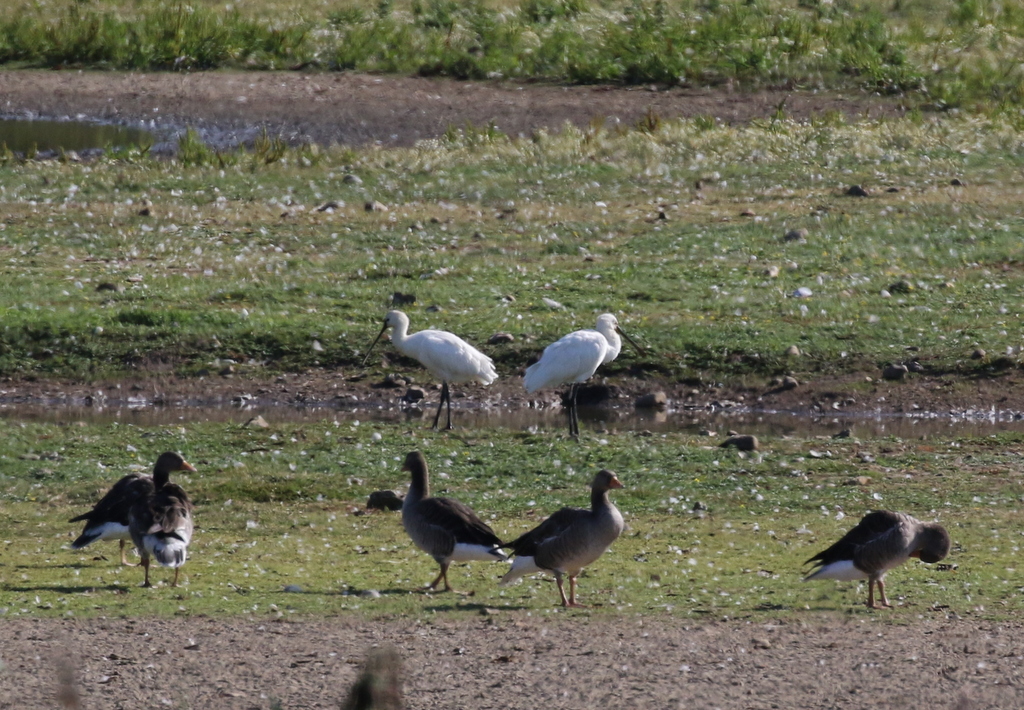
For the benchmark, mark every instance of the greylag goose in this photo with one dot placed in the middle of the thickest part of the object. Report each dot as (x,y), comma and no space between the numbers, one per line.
(882,540)
(108,520)
(574,358)
(445,355)
(444,528)
(160,523)
(570,539)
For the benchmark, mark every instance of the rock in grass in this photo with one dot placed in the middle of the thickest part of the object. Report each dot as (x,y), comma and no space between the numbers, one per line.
(257,422)
(789,383)
(402,299)
(957,182)
(772,272)
(894,372)
(857,191)
(742,442)
(901,286)
(375,206)
(915,366)
(384,500)
(652,400)
(352,180)
(413,395)
(978,354)
(796,235)
(293,588)
(793,351)
(500,339)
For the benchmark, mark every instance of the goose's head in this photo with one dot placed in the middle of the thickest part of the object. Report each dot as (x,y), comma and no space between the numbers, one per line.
(169,462)
(935,543)
(605,480)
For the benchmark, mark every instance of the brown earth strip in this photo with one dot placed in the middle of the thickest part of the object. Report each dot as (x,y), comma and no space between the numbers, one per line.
(356,109)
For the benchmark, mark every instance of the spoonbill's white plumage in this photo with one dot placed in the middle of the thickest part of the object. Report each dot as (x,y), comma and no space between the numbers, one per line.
(574,358)
(445,355)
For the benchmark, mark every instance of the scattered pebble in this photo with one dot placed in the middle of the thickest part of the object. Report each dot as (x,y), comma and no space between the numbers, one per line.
(895,372)
(652,400)
(292,588)
(742,442)
(796,235)
(384,500)
(551,303)
(257,422)
(857,191)
(500,339)
(375,206)
(352,180)
(978,354)
(793,351)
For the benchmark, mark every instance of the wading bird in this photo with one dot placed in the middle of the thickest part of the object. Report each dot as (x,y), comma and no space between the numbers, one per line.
(574,358)
(880,541)
(444,528)
(108,520)
(570,539)
(445,355)
(160,523)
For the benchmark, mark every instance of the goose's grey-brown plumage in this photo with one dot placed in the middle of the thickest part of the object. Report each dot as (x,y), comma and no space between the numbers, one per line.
(883,539)
(570,539)
(160,522)
(108,519)
(444,528)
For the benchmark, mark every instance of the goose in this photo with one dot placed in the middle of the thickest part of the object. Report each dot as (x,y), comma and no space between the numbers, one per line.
(570,539)
(574,358)
(160,523)
(883,539)
(444,528)
(108,520)
(445,355)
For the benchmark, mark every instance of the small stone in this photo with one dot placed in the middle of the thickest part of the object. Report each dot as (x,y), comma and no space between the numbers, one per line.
(742,442)
(257,422)
(866,458)
(796,235)
(551,303)
(893,189)
(416,227)
(748,213)
(884,293)
(708,432)
(402,299)
(901,286)
(227,371)
(802,292)
(317,347)
(145,212)
(477,236)
(352,180)
(652,400)
(844,434)
(772,272)
(915,366)
(859,481)
(894,372)
(393,381)
(856,191)
(413,395)
(957,182)
(375,206)
(384,500)
(793,351)
(330,205)
(370,594)
(789,383)
(433,309)
(699,506)
(500,339)
(978,354)
(292,588)
(108,286)
(763,644)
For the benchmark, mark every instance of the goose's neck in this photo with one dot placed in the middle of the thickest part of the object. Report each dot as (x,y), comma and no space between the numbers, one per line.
(598,499)
(160,478)
(420,487)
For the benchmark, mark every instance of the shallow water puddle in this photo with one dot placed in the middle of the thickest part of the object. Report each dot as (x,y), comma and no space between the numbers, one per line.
(595,420)
(26,136)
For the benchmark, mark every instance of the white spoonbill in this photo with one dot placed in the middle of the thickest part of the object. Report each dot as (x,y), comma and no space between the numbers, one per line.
(574,358)
(445,355)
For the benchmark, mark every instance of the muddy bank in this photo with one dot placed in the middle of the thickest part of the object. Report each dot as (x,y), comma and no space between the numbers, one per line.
(358,109)
(508,660)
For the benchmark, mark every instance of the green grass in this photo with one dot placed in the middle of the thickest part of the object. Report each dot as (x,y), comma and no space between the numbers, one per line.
(945,54)
(277,507)
(237,263)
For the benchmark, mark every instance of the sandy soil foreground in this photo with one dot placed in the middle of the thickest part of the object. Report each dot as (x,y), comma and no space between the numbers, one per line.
(507,661)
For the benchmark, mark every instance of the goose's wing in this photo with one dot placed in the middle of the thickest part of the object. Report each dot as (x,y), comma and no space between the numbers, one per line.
(556,524)
(116,503)
(458,520)
(876,532)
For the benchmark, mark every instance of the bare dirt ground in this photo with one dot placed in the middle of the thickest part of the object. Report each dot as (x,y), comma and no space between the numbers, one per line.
(509,661)
(354,109)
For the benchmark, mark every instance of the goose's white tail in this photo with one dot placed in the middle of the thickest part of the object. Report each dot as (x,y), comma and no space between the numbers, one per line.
(168,550)
(842,570)
(521,566)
